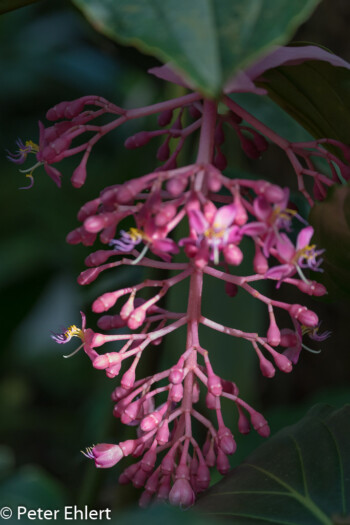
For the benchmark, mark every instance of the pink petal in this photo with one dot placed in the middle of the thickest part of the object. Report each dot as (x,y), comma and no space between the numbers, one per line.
(304,237)
(254,228)
(262,208)
(224,217)
(285,248)
(197,221)
(280,272)
(165,245)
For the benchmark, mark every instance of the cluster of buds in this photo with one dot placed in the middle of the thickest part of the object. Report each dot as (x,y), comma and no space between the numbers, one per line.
(219,212)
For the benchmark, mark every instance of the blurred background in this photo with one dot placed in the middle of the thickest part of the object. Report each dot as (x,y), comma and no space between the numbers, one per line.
(51,408)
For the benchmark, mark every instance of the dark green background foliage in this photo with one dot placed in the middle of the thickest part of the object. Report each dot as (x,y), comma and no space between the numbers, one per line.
(52,408)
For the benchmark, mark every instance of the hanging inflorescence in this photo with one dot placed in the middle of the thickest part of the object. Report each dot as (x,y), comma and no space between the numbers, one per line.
(220,213)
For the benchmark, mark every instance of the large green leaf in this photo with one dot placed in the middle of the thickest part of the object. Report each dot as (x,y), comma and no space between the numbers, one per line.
(301,476)
(316,94)
(11,5)
(331,220)
(207,41)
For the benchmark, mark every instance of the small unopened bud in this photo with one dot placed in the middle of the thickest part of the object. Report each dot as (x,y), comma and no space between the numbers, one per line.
(233,254)
(260,424)
(138,140)
(231,289)
(181,494)
(176,393)
(226,441)
(79,175)
(165,117)
(148,461)
(163,151)
(222,463)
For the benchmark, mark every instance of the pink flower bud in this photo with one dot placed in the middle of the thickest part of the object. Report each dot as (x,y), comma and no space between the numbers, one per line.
(283,363)
(233,255)
(104,302)
(162,435)
(305,316)
(145,499)
(312,288)
(176,374)
(260,264)
(164,488)
(167,464)
(98,257)
(176,186)
(243,422)
(202,478)
(249,147)
(152,421)
(165,117)
(137,318)
(128,191)
(181,494)
(260,142)
(88,276)
(127,308)
(89,208)
(219,136)
(163,151)
(107,455)
(260,424)
(195,392)
(176,393)
(266,367)
(148,461)
(104,361)
(128,378)
(273,334)
(113,371)
(214,385)
(128,474)
(226,441)
(220,160)
(222,463)
(231,289)
(138,140)
(214,182)
(210,401)
(79,175)
(241,216)
(152,482)
(210,457)
(119,393)
(140,478)
(165,214)
(108,322)
(128,446)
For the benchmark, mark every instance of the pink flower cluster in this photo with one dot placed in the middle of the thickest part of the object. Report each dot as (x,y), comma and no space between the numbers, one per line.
(219,212)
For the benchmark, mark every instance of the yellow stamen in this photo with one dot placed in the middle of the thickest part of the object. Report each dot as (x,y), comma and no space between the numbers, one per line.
(32,145)
(74,331)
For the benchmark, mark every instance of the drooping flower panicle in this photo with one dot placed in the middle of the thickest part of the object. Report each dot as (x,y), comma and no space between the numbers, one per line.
(219,213)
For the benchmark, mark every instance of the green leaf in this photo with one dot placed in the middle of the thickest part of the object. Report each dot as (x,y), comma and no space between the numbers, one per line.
(11,5)
(331,220)
(299,476)
(207,41)
(316,94)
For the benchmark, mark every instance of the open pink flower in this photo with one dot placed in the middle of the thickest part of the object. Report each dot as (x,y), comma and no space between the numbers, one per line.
(303,255)
(212,232)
